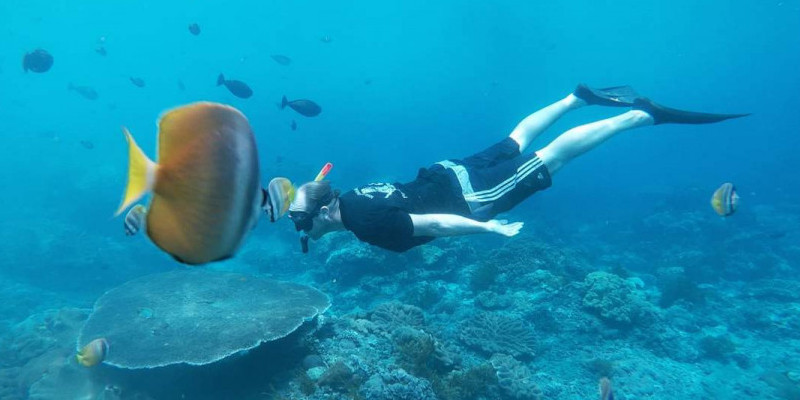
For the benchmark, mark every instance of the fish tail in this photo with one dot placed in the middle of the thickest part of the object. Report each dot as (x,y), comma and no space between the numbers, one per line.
(284,102)
(220,80)
(141,174)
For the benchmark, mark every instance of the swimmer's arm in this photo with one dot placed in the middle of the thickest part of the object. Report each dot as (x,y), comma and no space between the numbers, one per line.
(440,225)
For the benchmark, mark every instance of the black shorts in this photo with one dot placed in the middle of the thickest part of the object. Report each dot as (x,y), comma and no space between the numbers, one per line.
(498,178)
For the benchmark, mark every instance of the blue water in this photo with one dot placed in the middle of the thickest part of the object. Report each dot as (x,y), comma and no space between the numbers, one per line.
(403,84)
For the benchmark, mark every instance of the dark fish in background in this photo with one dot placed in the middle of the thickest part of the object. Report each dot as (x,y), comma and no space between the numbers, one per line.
(280,59)
(181,86)
(138,82)
(776,235)
(37,61)
(294,125)
(87,144)
(325,39)
(725,200)
(368,81)
(238,88)
(85,91)
(304,107)
(194,29)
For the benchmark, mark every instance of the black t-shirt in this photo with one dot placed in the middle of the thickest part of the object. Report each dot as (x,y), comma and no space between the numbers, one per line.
(378,213)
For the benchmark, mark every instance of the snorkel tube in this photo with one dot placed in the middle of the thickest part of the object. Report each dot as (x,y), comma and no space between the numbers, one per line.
(320,176)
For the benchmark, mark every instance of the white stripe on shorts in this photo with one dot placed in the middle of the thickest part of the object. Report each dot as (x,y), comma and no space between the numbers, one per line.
(507,185)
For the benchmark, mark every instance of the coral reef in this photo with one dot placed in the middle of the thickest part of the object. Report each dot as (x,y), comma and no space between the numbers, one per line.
(455,320)
(493,332)
(397,385)
(615,299)
(391,316)
(514,378)
(227,313)
(717,347)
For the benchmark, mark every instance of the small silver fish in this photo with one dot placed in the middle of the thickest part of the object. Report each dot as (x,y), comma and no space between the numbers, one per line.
(134,219)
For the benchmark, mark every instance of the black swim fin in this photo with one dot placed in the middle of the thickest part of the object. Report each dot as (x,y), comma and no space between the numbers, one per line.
(666,115)
(616,96)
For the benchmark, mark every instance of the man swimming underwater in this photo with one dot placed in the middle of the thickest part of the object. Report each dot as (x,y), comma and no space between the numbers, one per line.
(461,197)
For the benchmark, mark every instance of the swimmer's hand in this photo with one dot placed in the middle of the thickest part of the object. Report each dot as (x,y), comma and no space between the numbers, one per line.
(504,228)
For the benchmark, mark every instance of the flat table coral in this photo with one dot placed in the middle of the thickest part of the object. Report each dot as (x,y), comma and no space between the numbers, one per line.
(196,317)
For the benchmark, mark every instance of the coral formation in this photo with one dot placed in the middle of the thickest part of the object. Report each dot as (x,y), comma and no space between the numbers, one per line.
(717,347)
(492,332)
(339,377)
(394,315)
(473,383)
(615,299)
(226,312)
(484,276)
(514,378)
(348,263)
(397,385)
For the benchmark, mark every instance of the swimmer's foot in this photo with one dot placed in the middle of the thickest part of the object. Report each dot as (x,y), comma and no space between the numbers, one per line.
(666,115)
(617,96)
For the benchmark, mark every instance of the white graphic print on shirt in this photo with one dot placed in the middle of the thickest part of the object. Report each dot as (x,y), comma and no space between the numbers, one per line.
(387,189)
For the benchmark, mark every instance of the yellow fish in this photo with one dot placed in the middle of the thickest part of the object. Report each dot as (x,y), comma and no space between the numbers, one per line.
(205,186)
(280,194)
(725,200)
(93,353)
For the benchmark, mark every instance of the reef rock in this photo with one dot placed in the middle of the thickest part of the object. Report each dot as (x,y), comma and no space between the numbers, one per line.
(397,385)
(196,317)
(615,299)
(515,378)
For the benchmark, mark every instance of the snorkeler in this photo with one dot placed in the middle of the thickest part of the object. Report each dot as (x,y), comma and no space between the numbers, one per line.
(460,197)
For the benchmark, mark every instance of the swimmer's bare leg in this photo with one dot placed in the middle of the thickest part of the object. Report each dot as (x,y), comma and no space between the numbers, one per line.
(536,123)
(581,139)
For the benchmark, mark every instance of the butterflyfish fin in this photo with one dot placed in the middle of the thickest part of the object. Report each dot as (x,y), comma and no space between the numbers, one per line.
(141,174)
(291,191)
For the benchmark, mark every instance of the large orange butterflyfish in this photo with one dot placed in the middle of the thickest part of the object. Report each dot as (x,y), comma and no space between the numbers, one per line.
(205,186)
